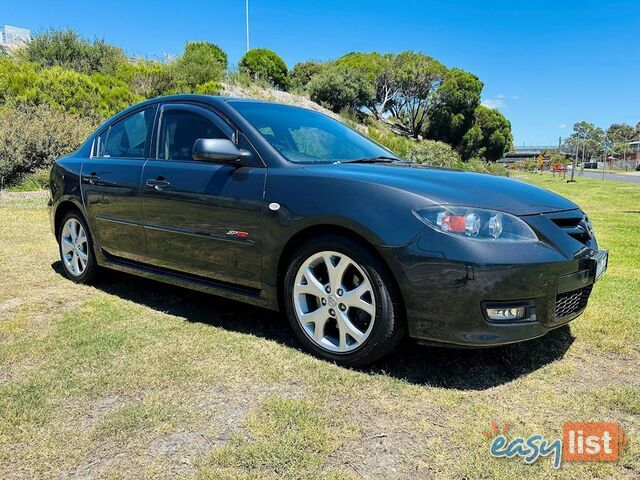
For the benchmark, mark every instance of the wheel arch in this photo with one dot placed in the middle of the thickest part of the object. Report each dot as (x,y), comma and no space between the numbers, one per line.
(300,237)
(62,209)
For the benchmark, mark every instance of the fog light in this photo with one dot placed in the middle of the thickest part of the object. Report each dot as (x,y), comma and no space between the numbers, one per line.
(506,313)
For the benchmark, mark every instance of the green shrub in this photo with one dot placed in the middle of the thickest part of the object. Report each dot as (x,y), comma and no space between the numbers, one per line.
(529,165)
(200,63)
(147,78)
(97,96)
(267,65)
(17,80)
(67,49)
(339,87)
(33,136)
(39,180)
(435,154)
(209,88)
(479,165)
(67,90)
(398,144)
(114,95)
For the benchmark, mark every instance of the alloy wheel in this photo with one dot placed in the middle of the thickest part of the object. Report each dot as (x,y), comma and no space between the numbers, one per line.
(74,246)
(334,301)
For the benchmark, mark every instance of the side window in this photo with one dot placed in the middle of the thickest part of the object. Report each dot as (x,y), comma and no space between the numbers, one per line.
(180,130)
(128,138)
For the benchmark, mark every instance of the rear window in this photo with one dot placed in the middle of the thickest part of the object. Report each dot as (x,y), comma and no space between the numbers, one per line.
(128,137)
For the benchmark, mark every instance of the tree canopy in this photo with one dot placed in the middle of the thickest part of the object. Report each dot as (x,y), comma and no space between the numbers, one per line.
(265,64)
(489,137)
(302,73)
(452,112)
(417,76)
(588,139)
(339,87)
(200,63)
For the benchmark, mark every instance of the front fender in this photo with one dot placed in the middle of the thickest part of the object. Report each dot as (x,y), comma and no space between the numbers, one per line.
(380,214)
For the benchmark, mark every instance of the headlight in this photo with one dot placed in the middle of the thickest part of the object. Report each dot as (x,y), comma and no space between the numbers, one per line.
(476,223)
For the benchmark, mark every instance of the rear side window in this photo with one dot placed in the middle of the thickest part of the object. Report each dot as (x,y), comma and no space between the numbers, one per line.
(180,130)
(129,137)
(99,143)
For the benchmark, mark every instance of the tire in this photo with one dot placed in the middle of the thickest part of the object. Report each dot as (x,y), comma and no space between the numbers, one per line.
(77,255)
(364,321)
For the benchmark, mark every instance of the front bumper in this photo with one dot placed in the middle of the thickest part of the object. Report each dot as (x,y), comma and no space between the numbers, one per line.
(446,300)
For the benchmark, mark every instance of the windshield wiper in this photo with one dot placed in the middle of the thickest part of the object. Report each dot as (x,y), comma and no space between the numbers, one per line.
(379,159)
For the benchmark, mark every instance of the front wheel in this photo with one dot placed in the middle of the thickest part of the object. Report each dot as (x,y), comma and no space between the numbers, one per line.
(341,302)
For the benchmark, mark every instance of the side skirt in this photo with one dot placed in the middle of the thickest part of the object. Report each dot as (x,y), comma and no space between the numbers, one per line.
(265,298)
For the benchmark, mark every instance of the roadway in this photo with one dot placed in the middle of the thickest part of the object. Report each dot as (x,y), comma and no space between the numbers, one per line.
(616,177)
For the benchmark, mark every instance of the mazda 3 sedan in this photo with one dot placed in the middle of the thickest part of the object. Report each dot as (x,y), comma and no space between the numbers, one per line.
(291,210)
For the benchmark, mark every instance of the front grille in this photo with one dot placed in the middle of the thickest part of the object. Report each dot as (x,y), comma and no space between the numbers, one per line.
(575,224)
(569,303)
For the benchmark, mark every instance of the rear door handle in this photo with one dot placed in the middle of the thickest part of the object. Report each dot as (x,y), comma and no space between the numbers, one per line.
(93,178)
(158,184)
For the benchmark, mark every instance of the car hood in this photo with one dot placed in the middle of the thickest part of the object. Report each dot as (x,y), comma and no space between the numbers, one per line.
(453,187)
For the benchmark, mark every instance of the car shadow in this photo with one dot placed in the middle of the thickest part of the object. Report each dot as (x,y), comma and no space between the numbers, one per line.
(461,369)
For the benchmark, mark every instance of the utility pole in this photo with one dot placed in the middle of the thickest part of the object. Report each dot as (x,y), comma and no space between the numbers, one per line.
(575,165)
(247,15)
(604,164)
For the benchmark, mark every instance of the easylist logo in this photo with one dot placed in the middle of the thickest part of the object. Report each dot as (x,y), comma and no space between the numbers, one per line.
(583,441)
(598,441)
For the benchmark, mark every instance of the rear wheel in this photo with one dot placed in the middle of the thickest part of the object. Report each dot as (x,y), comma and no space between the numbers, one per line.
(341,301)
(76,249)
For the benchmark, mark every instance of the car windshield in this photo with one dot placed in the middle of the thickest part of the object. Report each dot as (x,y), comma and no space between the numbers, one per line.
(306,136)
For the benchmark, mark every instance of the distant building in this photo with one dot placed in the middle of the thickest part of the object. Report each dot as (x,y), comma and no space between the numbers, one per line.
(11,37)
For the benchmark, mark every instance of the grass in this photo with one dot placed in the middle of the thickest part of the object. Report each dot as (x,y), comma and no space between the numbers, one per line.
(130,378)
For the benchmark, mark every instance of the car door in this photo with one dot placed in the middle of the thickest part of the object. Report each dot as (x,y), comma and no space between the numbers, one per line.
(110,185)
(202,218)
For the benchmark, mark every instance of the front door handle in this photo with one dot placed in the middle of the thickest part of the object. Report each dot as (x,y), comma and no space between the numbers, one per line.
(158,184)
(93,178)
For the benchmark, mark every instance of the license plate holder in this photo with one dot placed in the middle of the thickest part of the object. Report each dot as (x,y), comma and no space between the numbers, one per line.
(600,263)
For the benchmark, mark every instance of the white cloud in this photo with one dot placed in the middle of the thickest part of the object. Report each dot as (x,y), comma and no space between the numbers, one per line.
(500,96)
(562,125)
(514,97)
(496,103)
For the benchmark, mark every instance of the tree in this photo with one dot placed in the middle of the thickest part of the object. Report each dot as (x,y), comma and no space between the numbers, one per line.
(302,73)
(265,64)
(67,49)
(379,70)
(452,112)
(489,137)
(620,133)
(587,138)
(416,77)
(200,63)
(338,88)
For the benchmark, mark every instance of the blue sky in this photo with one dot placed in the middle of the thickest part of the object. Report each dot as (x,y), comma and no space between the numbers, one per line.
(545,64)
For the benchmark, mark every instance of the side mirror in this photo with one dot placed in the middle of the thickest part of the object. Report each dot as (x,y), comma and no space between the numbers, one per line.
(219,150)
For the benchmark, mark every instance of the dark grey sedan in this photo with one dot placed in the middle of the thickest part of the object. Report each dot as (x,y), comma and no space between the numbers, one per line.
(288,209)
